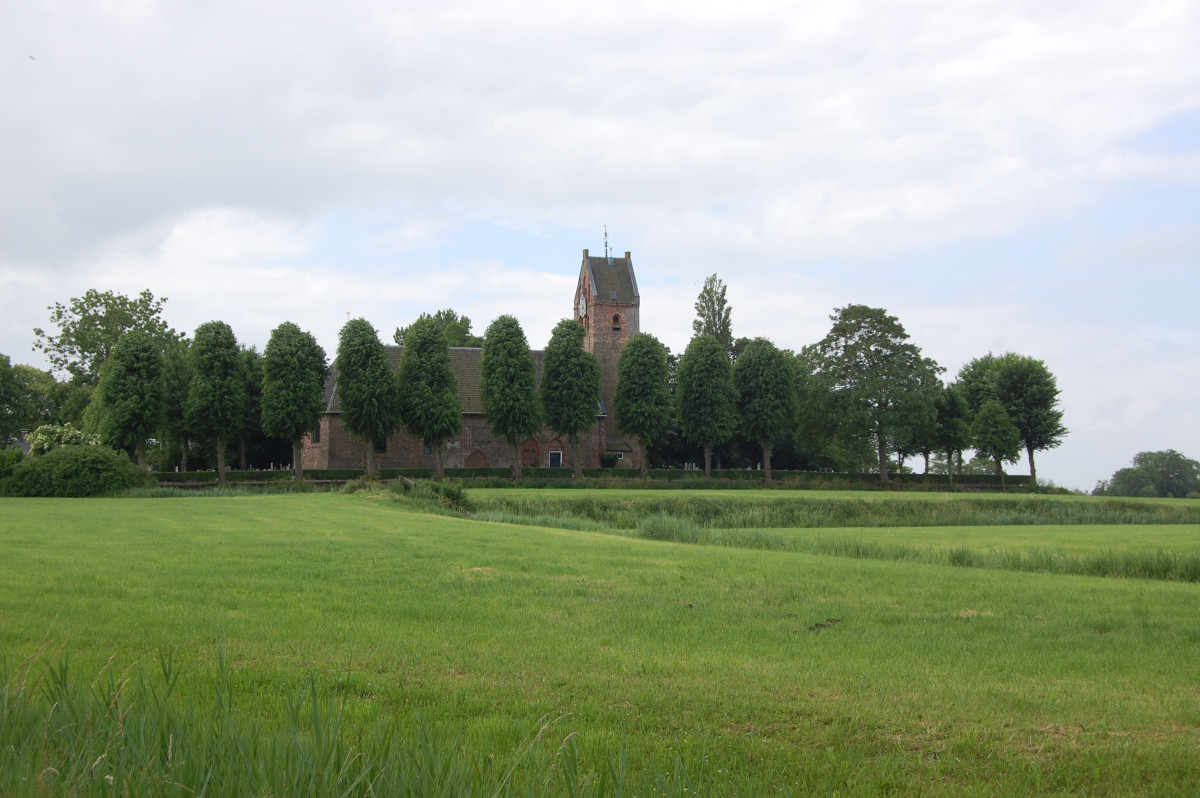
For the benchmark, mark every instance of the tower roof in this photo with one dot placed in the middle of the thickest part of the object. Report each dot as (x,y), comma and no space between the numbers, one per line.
(612,279)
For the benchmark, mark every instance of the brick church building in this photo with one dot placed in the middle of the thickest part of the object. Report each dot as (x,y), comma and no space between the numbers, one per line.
(607,304)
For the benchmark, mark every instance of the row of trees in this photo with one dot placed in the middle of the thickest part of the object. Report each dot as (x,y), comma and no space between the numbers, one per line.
(864,393)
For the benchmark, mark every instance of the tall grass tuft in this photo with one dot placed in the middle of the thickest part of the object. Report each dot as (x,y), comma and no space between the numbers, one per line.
(127,734)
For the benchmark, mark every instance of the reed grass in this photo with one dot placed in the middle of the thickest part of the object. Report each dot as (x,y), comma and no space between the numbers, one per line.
(129,734)
(625,512)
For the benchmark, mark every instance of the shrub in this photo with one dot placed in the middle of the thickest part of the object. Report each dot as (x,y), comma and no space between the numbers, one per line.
(76,471)
(8,461)
(443,495)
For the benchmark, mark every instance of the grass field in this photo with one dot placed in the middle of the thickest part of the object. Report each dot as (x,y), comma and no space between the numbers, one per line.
(636,660)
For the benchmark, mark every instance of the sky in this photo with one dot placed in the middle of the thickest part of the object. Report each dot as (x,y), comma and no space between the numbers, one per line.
(1000,176)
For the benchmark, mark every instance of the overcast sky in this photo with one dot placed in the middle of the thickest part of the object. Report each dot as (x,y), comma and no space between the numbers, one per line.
(1001,176)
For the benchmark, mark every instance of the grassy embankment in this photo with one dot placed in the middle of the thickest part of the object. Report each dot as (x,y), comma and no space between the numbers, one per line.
(750,670)
(1153,539)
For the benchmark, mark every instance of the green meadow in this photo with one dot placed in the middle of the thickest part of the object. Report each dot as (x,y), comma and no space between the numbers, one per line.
(363,644)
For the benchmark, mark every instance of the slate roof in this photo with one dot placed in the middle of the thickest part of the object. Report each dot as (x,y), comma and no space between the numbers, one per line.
(464,362)
(612,280)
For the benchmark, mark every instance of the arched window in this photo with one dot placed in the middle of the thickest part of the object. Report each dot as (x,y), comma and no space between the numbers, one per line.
(616,321)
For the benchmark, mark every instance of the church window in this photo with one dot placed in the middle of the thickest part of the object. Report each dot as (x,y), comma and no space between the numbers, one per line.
(556,459)
(316,434)
(427,447)
(616,321)
(380,445)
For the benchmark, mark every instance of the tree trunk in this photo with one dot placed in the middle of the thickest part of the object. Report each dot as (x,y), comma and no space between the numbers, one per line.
(220,462)
(1000,473)
(297,463)
(242,452)
(1032,468)
(437,460)
(370,446)
(516,462)
(183,442)
(766,464)
(577,460)
(949,467)
(926,462)
(642,459)
(707,462)
(883,463)
(141,455)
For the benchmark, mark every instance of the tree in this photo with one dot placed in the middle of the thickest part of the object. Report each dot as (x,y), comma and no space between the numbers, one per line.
(177,384)
(713,315)
(706,401)
(217,394)
(1029,394)
(976,382)
(508,385)
(128,403)
(994,434)
(429,406)
(1163,474)
(642,400)
(367,389)
(293,392)
(882,379)
(455,328)
(953,425)
(570,386)
(10,417)
(766,387)
(90,326)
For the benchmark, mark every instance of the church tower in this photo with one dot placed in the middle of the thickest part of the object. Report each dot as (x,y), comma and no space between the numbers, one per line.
(607,304)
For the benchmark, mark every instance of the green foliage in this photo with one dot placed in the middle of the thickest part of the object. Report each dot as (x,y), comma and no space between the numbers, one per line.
(508,384)
(994,434)
(713,315)
(454,328)
(10,414)
(1162,474)
(51,436)
(570,390)
(705,397)
(953,423)
(1027,391)
(766,387)
(177,383)
(90,326)
(294,372)
(8,461)
(429,406)
(128,404)
(642,401)
(41,399)
(368,392)
(884,384)
(76,471)
(439,495)
(216,401)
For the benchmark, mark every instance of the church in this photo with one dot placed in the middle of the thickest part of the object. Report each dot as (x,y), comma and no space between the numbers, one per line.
(606,303)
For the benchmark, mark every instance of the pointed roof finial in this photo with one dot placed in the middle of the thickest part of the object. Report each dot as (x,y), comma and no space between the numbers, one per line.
(606,241)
